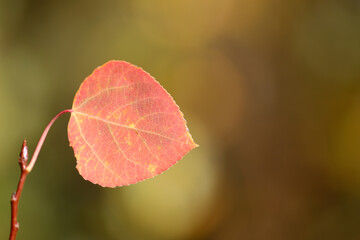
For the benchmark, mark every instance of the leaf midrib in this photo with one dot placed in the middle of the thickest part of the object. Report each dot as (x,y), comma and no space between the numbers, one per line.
(125,126)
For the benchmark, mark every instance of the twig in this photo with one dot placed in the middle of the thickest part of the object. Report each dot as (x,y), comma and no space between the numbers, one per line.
(16,196)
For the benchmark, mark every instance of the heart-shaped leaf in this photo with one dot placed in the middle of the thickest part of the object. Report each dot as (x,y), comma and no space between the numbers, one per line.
(124,126)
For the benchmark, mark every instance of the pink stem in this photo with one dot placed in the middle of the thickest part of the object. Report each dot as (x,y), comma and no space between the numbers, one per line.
(42,139)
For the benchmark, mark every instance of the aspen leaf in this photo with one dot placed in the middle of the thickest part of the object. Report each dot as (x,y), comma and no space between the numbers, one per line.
(124,126)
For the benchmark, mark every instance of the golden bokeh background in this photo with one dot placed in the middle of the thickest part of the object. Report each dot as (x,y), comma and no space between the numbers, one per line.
(270,91)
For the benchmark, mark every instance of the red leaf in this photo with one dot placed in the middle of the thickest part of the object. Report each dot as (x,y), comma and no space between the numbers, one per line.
(124,126)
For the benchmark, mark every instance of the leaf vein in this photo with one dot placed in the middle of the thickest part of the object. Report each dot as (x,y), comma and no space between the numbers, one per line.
(87,143)
(125,126)
(88,99)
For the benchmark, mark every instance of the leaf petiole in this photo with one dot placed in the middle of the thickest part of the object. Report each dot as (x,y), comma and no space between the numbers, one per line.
(42,139)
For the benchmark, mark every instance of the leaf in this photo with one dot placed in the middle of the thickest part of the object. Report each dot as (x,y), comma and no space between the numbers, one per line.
(124,126)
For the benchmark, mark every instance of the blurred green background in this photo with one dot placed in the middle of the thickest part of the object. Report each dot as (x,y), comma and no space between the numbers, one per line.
(270,91)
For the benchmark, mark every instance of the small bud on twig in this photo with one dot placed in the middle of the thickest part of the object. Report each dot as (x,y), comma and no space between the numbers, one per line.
(23,155)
